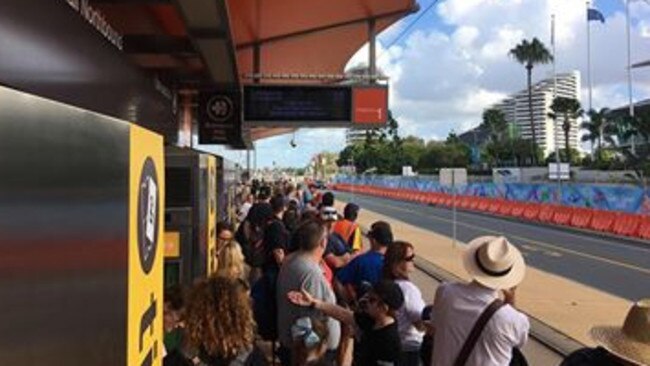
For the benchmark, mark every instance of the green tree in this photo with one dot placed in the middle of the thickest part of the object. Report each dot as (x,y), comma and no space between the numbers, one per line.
(530,54)
(448,154)
(411,149)
(572,157)
(381,150)
(495,121)
(638,127)
(569,109)
(596,129)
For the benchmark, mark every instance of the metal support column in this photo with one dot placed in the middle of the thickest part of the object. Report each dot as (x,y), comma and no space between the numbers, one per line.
(372,54)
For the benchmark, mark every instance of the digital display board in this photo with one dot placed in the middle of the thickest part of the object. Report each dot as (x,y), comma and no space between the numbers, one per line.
(316,105)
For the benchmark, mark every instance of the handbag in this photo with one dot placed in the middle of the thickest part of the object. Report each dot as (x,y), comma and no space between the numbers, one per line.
(518,358)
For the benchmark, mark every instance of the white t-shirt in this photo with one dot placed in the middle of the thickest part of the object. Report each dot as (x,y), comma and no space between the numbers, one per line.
(408,314)
(456,308)
(243,210)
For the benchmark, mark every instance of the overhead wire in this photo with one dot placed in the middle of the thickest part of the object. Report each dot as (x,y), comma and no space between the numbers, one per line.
(408,27)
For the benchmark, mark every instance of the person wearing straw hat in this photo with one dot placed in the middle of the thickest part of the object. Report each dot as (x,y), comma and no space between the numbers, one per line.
(618,346)
(496,267)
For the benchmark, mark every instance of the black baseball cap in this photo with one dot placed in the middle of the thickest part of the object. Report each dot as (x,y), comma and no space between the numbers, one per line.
(381,232)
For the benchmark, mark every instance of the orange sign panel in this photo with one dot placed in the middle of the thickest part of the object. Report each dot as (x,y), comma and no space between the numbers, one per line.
(370,105)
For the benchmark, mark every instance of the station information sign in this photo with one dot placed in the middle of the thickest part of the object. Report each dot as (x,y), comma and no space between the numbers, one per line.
(315,106)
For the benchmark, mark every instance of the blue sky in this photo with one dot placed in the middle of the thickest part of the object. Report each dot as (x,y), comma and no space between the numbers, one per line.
(453,63)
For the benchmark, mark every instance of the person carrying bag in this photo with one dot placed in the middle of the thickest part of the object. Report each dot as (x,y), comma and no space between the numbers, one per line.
(518,358)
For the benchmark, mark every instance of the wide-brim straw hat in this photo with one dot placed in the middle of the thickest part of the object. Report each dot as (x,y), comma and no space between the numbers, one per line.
(631,341)
(494,262)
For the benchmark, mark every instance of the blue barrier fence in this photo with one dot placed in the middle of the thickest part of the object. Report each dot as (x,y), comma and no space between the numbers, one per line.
(624,198)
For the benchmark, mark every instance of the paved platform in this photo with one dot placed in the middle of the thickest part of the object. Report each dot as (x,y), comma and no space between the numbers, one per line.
(567,306)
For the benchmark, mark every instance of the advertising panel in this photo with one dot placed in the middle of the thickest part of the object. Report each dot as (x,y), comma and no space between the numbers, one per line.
(211,201)
(145,280)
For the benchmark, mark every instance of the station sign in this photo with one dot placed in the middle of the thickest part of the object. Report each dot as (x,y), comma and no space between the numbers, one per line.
(219,116)
(363,106)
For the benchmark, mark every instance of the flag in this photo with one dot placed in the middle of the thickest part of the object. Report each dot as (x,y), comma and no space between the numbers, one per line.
(594,14)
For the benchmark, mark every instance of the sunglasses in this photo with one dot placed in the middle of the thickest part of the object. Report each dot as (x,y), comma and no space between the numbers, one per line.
(410,258)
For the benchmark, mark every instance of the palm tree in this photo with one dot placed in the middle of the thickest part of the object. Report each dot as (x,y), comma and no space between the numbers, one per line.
(530,54)
(639,127)
(596,130)
(570,109)
(495,121)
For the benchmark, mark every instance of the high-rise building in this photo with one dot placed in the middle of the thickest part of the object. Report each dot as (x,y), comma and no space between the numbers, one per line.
(515,109)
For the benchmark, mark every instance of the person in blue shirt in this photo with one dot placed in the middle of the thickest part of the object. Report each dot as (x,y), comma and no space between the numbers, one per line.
(367,267)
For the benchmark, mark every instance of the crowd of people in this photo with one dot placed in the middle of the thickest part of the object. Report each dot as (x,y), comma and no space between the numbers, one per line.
(295,272)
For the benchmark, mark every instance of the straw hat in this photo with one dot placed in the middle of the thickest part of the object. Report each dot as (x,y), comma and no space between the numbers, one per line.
(494,263)
(632,341)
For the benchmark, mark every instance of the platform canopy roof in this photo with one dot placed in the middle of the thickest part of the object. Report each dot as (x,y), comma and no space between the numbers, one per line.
(191,44)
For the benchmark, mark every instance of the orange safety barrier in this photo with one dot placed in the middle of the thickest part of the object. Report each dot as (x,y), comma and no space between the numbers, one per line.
(603,220)
(599,220)
(562,215)
(483,204)
(518,209)
(495,205)
(506,208)
(581,217)
(464,202)
(532,211)
(546,213)
(473,203)
(429,198)
(644,228)
(626,224)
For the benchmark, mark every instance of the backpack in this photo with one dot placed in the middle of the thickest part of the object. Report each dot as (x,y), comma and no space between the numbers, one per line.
(265,307)
(251,240)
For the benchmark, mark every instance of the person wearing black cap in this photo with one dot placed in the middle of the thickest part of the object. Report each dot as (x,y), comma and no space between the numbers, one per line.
(366,267)
(380,343)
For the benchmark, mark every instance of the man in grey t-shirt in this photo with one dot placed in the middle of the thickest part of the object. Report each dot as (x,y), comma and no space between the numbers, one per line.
(302,270)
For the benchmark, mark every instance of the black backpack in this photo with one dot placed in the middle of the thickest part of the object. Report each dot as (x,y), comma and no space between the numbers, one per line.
(251,240)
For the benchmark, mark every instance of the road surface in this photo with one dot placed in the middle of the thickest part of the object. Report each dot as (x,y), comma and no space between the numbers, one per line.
(615,266)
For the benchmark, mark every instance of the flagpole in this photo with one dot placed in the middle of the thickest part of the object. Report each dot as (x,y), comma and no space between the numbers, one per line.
(629,65)
(589,57)
(555,119)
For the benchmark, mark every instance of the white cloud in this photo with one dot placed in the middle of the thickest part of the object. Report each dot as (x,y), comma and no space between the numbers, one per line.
(443,75)
(446,79)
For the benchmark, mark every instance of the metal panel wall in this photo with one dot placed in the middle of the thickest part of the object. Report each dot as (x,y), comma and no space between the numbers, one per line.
(63,234)
(48,49)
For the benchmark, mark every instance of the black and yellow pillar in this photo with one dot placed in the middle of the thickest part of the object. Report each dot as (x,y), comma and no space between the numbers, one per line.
(81,219)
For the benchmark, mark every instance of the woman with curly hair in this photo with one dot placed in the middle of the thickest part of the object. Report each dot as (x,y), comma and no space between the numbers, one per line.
(220,325)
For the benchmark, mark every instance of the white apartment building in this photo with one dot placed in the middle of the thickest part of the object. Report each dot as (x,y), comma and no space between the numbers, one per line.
(515,108)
